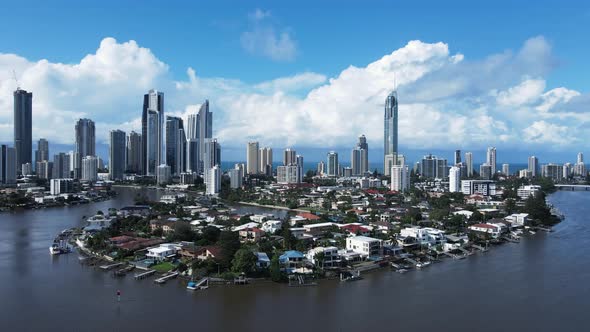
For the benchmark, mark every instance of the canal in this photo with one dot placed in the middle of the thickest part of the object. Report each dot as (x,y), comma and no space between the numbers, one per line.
(538,284)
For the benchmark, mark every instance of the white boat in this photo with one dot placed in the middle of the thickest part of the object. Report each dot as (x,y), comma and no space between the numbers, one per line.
(55,249)
(422,264)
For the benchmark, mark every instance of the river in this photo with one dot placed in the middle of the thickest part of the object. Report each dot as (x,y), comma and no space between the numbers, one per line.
(539,284)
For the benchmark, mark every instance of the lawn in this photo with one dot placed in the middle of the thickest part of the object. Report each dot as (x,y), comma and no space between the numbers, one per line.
(163,267)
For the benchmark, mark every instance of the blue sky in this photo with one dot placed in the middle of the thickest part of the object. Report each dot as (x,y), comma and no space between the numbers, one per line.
(225,43)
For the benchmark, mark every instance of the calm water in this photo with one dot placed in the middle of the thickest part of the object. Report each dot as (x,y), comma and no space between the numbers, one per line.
(540,284)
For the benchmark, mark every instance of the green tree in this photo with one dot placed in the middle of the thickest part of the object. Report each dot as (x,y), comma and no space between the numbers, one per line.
(275,269)
(229,242)
(244,261)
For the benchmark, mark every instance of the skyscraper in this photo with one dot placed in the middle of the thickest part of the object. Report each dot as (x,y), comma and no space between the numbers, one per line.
(333,167)
(212,156)
(485,171)
(61,166)
(85,144)
(299,159)
(89,168)
(252,158)
(134,157)
(7,165)
(42,152)
(400,178)
(23,130)
(355,161)
(117,155)
(533,166)
(390,131)
(469,163)
(457,159)
(580,159)
(214,181)
(506,169)
(205,122)
(455,179)
(364,161)
(266,160)
(491,159)
(175,144)
(289,156)
(152,132)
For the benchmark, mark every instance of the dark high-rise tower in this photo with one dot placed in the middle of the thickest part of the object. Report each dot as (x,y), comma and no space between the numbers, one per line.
(175,144)
(390,133)
(134,153)
(152,132)
(117,155)
(23,131)
(85,144)
(42,152)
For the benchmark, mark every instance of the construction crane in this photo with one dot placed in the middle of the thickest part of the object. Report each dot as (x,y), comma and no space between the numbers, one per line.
(15,79)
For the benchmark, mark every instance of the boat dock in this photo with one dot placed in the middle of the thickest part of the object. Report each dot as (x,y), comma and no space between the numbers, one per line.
(166,277)
(201,284)
(110,266)
(144,275)
(482,249)
(510,239)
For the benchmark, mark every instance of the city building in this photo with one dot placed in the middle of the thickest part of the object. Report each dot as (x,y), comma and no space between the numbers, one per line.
(252,158)
(485,171)
(134,153)
(163,174)
(480,187)
(236,177)
(299,159)
(568,170)
(288,174)
(61,166)
(364,151)
(491,159)
(193,155)
(506,169)
(432,167)
(321,168)
(7,165)
(61,186)
(552,171)
(455,179)
(390,131)
(211,157)
(400,178)
(89,169)
(333,167)
(187,178)
(175,144)
(27,169)
(457,159)
(214,181)
(23,127)
(533,166)
(355,161)
(289,156)
(42,152)
(265,161)
(152,131)
(85,144)
(117,153)
(44,169)
(469,164)
(526,191)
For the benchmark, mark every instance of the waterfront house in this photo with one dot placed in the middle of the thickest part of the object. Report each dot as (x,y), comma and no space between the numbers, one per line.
(291,260)
(163,252)
(365,246)
(424,236)
(245,226)
(493,230)
(324,256)
(518,219)
(262,260)
(272,226)
(209,252)
(98,222)
(251,235)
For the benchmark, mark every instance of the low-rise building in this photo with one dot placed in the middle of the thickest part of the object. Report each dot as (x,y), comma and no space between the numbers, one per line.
(518,219)
(494,230)
(251,235)
(525,192)
(364,245)
(324,256)
(424,236)
(163,252)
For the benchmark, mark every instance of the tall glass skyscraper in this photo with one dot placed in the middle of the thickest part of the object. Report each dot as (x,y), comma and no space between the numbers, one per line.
(117,155)
(390,132)
(23,131)
(175,144)
(152,131)
(85,144)
(134,154)
(199,129)
(42,152)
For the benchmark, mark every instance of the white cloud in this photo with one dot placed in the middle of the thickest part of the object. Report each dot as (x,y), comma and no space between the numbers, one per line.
(265,38)
(446,100)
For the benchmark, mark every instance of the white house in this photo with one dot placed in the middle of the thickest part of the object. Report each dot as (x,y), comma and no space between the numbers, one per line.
(424,236)
(162,252)
(525,192)
(245,226)
(494,230)
(272,226)
(364,245)
(518,219)
(331,257)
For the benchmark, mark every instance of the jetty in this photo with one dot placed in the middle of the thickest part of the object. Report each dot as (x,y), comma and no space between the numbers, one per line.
(110,266)
(201,284)
(166,277)
(510,239)
(144,275)
(482,249)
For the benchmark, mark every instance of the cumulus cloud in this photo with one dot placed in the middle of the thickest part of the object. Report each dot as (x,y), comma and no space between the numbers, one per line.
(266,38)
(445,99)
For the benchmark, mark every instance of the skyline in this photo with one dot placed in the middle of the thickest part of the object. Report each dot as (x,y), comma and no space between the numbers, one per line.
(448,99)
